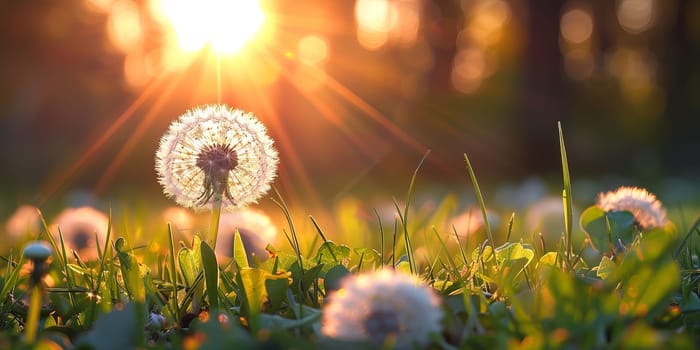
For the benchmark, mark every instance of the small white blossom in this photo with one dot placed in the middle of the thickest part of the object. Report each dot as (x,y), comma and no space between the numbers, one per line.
(383,307)
(647,210)
(212,150)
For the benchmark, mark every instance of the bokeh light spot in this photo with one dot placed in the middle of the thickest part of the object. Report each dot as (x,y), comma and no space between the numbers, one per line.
(375,19)
(313,49)
(635,16)
(576,26)
(124,25)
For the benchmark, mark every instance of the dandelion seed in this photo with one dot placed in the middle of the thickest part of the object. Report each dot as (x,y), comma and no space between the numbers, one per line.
(79,227)
(256,230)
(647,210)
(383,306)
(212,151)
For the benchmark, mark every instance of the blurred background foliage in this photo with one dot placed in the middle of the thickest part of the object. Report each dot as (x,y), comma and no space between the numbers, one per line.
(354,92)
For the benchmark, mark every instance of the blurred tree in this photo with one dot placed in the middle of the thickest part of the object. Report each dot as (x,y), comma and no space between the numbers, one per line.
(543,96)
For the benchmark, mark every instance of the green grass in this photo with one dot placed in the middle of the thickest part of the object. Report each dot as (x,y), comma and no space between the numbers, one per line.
(498,286)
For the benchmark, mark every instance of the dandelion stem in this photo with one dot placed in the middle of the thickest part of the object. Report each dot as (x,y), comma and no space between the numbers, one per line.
(215,217)
(33,313)
(216,201)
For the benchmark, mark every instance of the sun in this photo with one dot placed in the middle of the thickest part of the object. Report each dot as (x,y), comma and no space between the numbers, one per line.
(227,25)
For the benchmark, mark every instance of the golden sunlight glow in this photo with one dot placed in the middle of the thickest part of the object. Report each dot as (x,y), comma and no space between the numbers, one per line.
(226,25)
(488,17)
(124,25)
(98,5)
(313,49)
(375,18)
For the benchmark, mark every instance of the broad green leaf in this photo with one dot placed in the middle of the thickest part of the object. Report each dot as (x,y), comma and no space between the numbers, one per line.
(329,254)
(131,271)
(276,286)
(370,257)
(690,302)
(259,286)
(211,275)
(403,266)
(252,281)
(190,261)
(278,322)
(187,265)
(594,222)
(334,276)
(307,279)
(606,268)
(549,259)
(512,258)
(486,254)
(282,262)
(239,253)
(514,251)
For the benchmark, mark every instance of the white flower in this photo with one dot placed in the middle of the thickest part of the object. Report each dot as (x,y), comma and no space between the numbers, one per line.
(212,150)
(383,306)
(79,227)
(25,220)
(256,230)
(647,210)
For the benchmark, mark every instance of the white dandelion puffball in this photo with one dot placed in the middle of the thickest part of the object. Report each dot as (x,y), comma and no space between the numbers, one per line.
(25,220)
(80,227)
(383,306)
(646,209)
(214,150)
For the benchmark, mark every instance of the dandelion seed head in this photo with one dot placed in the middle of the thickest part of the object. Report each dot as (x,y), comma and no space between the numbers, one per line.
(216,149)
(647,210)
(383,306)
(79,227)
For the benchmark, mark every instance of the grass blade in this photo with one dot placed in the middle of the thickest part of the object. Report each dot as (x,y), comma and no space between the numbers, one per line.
(480,199)
(211,275)
(566,193)
(173,275)
(404,216)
